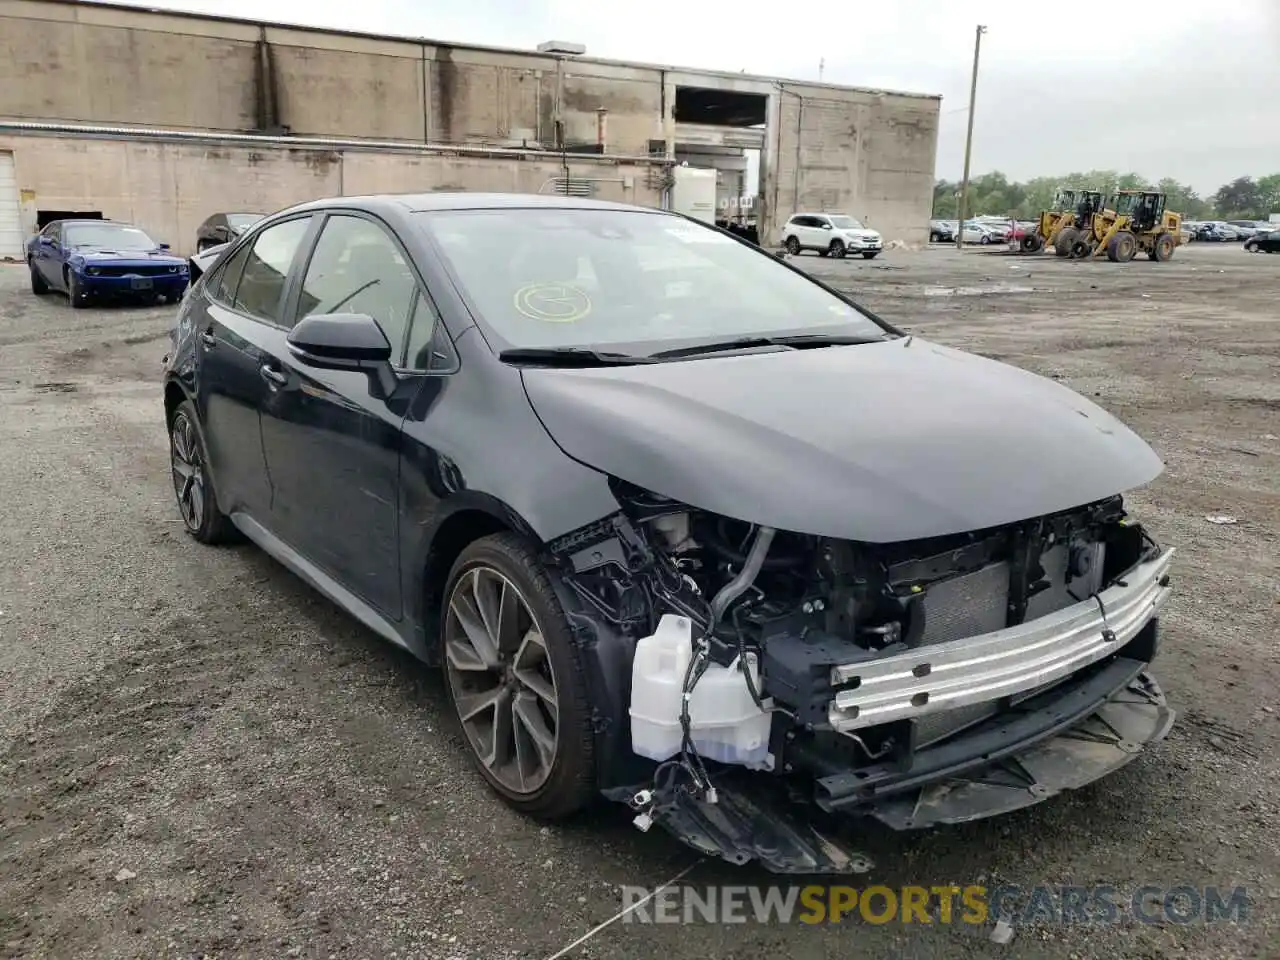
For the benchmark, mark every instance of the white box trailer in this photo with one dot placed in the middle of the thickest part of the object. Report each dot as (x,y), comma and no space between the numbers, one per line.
(694,193)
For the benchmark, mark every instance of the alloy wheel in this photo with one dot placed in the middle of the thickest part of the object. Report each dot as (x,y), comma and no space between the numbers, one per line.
(188,472)
(502,680)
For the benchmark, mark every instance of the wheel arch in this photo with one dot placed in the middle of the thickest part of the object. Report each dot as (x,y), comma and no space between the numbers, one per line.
(466,519)
(174,394)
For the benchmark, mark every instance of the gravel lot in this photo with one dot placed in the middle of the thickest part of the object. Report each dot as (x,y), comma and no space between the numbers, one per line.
(200,757)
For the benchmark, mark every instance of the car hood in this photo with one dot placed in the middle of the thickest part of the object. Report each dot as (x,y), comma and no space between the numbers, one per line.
(96,255)
(881,442)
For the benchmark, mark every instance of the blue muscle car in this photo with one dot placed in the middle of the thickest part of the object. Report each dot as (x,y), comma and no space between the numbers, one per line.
(103,259)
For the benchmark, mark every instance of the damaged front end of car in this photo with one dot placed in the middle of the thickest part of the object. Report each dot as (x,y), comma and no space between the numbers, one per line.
(756,687)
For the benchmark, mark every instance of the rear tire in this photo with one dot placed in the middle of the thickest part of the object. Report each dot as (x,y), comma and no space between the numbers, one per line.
(38,286)
(1064,241)
(1030,243)
(536,691)
(793,246)
(1162,248)
(837,249)
(192,486)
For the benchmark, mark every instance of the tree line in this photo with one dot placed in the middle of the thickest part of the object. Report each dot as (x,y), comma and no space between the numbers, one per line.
(994,194)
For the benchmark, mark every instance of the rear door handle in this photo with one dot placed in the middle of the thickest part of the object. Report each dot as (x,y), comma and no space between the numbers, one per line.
(208,339)
(270,373)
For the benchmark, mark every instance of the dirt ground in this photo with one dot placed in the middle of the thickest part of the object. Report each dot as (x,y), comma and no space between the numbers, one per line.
(199,757)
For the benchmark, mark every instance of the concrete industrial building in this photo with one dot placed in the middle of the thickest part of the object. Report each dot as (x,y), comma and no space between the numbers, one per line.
(164,118)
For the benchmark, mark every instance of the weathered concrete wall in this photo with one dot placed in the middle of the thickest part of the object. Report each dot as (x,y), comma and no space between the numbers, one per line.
(61,61)
(169,188)
(865,154)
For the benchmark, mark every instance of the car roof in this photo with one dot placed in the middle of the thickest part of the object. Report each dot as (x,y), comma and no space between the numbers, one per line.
(425,202)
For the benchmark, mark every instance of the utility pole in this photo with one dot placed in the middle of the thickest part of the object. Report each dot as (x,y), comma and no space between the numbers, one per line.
(968,140)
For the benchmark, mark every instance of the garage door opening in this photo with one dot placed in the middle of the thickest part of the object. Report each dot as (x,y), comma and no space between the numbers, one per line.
(720,108)
(46,217)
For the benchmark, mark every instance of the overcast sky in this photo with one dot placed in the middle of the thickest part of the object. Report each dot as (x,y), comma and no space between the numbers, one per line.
(1182,88)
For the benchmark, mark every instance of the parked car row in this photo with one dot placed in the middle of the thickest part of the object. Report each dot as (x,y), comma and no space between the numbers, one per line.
(1226,231)
(110,260)
(980,230)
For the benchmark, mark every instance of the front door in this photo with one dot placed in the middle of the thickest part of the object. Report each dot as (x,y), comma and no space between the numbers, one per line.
(46,258)
(243,305)
(332,437)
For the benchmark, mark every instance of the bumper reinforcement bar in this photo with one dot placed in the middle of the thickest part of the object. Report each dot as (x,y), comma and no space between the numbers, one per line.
(1002,663)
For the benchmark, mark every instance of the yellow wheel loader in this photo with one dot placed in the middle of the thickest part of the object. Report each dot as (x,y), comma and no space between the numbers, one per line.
(1072,216)
(1136,221)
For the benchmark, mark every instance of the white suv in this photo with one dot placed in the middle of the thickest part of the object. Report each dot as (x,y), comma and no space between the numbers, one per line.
(831,234)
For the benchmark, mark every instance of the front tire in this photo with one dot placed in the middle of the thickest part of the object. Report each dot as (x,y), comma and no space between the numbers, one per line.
(870,254)
(516,679)
(1252,246)
(985,238)
(837,249)
(1062,243)
(189,465)
(75,292)
(38,285)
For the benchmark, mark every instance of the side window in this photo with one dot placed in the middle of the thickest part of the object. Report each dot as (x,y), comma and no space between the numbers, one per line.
(357,268)
(223,287)
(1275,236)
(422,331)
(267,267)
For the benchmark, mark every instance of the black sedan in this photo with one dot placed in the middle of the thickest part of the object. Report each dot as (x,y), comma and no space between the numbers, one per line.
(681,525)
(1264,243)
(223,228)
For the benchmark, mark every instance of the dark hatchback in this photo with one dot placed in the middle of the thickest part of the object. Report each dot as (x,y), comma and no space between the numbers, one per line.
(568,450)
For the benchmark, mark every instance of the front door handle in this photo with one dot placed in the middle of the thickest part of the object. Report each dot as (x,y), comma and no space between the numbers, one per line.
(270,373)
(208,339)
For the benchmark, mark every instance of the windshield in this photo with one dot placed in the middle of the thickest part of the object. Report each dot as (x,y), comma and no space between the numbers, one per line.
(106,236)
(637,282)
(845,223)
(238,221)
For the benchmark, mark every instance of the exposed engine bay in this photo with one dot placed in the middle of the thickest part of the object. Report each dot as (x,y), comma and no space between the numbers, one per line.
(860,662)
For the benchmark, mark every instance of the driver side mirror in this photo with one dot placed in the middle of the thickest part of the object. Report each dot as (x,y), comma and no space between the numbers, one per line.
(163,246)
(46,241)
(339,341)
(826,226)
(344,341)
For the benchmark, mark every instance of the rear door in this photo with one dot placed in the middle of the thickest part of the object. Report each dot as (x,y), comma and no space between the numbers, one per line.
(242,306)
(812,234)
(332,439)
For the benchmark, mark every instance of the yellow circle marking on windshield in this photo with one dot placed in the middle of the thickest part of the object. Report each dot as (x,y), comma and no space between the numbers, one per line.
(552,302)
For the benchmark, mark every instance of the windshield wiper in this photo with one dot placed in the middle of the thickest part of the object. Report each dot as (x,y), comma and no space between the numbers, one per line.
(569,357)
(795,340)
